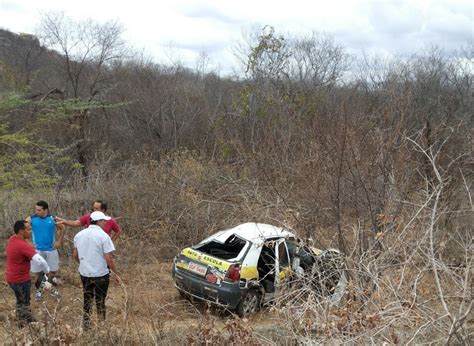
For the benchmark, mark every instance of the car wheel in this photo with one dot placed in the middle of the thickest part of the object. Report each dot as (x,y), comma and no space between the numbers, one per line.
(249,304)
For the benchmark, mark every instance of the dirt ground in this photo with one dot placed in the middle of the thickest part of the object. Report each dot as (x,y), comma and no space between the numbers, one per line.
(144,307)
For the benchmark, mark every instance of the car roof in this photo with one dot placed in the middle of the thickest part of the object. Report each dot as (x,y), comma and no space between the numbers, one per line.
(253,232)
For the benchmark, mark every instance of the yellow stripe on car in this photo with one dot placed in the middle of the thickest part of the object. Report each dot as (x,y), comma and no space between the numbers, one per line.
(249,272)
(181,265)
(203,258)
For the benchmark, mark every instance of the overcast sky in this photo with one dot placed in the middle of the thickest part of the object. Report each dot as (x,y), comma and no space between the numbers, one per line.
(394,27)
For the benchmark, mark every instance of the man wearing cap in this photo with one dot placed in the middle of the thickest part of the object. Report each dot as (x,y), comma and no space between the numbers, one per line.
(19,254)
(93,250)
(112,228)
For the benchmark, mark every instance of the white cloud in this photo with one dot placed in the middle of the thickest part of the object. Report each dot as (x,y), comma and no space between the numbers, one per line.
(191,26)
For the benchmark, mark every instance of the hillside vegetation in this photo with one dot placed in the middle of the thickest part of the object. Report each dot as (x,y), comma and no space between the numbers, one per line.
(370,156)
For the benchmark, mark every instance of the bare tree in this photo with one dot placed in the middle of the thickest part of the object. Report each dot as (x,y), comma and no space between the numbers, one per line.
(317,61)
(86,51)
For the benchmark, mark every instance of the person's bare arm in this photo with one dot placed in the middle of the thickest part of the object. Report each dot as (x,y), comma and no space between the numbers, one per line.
(75,254)
(109,258)
(58,243)
(114,236)
(72,223)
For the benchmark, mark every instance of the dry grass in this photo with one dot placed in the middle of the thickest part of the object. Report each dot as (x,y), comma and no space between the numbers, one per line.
(410,282)
(145,308)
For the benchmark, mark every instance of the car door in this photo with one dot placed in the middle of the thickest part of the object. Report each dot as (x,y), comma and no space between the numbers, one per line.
(282,265)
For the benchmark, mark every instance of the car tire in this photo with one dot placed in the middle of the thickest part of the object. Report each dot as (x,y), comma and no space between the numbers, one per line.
(249,303)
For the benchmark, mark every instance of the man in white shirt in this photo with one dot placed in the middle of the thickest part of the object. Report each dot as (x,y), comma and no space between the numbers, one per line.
(93,250)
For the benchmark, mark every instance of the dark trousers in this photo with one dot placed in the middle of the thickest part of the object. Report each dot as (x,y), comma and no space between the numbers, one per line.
(94,289)
(23,309)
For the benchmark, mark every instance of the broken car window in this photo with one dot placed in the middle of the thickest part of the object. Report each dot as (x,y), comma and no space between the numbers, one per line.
(228,250)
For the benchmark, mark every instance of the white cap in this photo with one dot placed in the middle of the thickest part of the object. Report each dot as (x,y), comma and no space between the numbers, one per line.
(98,215)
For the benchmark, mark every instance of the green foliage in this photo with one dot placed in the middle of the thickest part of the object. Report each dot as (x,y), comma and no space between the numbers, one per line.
(11,101)
(269,57)
(242,101)
(57,109)
(25,161)
(21,163)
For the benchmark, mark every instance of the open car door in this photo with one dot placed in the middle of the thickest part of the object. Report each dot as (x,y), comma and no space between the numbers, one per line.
(282,266)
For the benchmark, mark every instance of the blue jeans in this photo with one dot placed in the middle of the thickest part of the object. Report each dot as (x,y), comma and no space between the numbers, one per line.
(23,309)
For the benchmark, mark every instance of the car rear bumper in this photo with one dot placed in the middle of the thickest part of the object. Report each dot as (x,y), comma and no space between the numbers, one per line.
(226,294)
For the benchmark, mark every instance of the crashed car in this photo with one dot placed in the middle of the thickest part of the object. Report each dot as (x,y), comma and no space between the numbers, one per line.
(250,265)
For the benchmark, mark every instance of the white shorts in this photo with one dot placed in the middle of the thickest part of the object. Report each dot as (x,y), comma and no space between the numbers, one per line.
(51,257)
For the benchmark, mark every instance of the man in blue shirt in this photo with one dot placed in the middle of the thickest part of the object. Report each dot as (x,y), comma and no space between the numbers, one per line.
(46,245)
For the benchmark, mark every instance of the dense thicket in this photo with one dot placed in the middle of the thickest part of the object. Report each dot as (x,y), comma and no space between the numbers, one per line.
(322,133)
(349,152)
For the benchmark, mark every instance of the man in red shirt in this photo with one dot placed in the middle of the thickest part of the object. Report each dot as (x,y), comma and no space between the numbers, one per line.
(111,227)
(19,254)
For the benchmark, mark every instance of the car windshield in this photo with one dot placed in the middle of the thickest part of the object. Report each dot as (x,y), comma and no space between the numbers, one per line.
(231,249)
